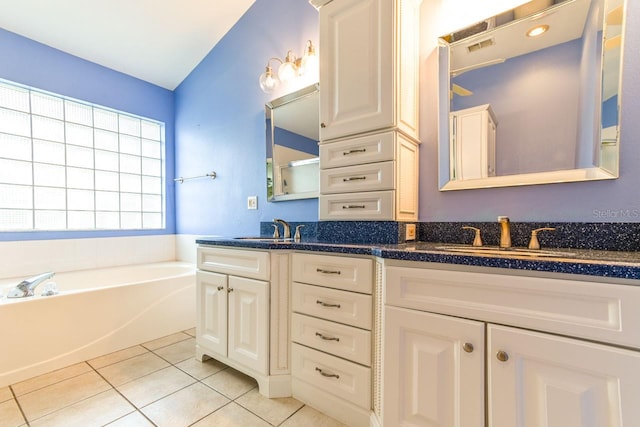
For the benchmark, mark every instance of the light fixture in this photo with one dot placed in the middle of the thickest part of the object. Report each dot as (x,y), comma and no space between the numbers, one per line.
(537,30)
(289,69)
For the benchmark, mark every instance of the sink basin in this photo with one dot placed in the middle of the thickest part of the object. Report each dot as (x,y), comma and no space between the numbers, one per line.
(516,252)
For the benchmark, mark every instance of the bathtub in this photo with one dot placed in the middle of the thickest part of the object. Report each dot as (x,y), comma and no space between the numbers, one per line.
(97,312)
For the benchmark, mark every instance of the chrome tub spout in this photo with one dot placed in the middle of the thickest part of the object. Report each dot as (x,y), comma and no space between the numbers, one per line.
(27,287)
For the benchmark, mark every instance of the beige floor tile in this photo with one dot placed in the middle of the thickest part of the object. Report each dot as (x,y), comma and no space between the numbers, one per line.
(10,415)
(94,411)
(232,415)
(274,411)
(308,416)
(165,341)
(5,394)
(201,370)
(59,395)
(191,332)
(155,386)
(185,407)
(230,382)
(179,351)
(118,356)
(134,419)
(47,379)
(133,368)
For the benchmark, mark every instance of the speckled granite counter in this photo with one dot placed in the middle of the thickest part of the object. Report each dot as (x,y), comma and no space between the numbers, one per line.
(614,264)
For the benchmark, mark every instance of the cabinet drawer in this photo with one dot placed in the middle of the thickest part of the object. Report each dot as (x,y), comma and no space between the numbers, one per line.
(374,206)
(339,377)
(339,306)
(597,311)
(252,264)
(369,177)
(340,340)
(349,274)
(356,151)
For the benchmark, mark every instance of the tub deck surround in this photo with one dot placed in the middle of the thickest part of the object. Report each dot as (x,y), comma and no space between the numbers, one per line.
(613,264)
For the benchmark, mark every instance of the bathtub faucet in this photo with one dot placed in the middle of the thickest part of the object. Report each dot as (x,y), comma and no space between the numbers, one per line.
(27,287)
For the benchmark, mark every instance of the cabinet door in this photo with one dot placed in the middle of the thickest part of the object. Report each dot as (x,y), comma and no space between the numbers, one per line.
(249,322)
(211,311)
(433,370)
(545,380)
(356,67)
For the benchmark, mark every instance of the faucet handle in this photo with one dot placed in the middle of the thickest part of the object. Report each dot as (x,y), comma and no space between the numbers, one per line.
(534,243)
(477,240)
(297,237)
(276,231)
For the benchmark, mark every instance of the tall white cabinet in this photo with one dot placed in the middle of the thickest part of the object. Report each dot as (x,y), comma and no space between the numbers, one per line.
(369,91)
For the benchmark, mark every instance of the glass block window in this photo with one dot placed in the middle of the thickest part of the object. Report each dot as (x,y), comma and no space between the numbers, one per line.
(70,165)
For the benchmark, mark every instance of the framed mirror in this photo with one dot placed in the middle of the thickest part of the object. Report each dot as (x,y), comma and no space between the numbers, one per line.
(292,135)
(521,109)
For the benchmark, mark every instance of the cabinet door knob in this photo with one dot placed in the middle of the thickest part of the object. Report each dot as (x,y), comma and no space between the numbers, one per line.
(468,347)
(322,125)
(230,290)
(220,288)
(502,356)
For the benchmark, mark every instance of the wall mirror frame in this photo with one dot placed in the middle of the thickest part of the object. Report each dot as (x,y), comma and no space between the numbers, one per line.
(292,135)
(545,130)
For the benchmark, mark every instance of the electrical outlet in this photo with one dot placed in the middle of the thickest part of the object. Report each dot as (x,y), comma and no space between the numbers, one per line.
(410,232)
(252,202)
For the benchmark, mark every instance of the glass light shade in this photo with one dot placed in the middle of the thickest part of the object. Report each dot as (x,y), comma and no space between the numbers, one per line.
(309,63)
(288,70)
(267,81)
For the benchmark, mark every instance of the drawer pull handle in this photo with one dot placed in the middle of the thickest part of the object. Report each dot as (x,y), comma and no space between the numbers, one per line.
(323,271)
(354,151)
(326,304)
(353,206)
(318,334)
(502,356)
(325,374)
(354,178)
(220,288)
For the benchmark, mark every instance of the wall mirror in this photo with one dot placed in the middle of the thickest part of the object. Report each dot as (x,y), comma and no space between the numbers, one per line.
(518,109)
(292,135)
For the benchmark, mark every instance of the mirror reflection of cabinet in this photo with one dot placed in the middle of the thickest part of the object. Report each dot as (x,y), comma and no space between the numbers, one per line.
(369,110)
(292,134)
(473,142)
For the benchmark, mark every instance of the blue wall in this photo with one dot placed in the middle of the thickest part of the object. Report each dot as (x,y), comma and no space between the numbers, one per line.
(34,64)
(220,123)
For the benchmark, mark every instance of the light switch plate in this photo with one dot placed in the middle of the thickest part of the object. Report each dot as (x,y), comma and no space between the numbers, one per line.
(252,202)
(410,232)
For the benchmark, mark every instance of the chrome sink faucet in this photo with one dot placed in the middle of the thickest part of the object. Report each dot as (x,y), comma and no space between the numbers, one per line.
(286,228)
(27,287)
(505,231)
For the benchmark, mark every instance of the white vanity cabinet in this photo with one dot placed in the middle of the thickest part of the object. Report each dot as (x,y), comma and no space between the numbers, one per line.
(559,350)
(241,314)
(331,335)
(473,143)
(369,77)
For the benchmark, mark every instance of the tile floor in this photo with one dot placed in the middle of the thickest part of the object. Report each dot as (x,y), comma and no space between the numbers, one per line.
(158,383)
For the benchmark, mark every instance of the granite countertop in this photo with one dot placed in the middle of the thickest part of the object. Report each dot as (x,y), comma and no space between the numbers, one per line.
(615,264)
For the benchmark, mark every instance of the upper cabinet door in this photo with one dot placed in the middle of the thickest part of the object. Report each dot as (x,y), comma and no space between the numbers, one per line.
(368,67)
(355,67)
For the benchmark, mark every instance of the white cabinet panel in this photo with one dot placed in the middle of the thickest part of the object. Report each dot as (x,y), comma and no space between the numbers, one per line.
(369,177)
(246,263)
(433,370)
(545,380)
(248,322)
(372,206)
(211,311)
(346,273)
(378,147)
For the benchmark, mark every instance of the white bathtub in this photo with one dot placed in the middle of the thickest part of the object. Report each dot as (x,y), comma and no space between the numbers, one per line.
(97,312)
